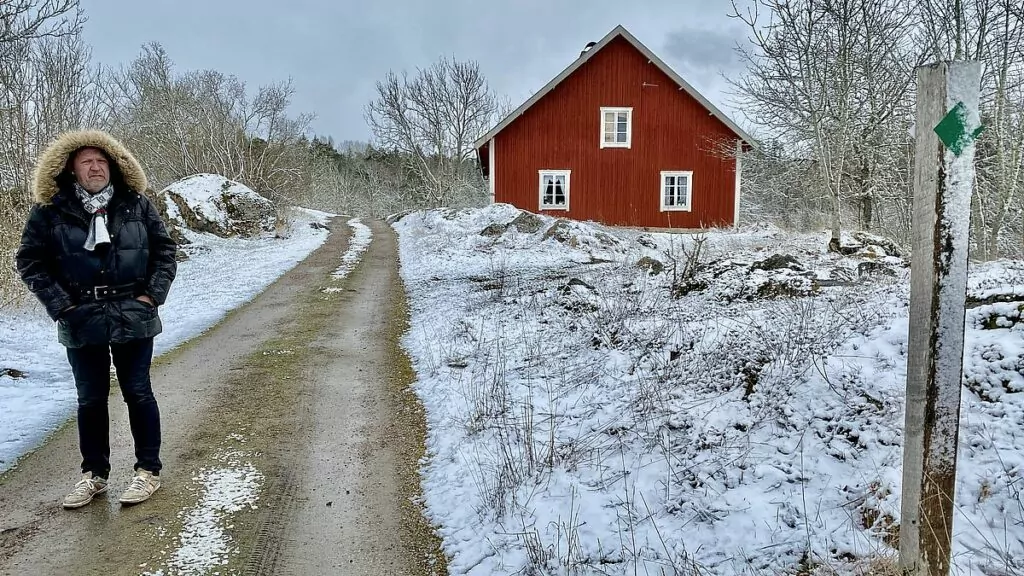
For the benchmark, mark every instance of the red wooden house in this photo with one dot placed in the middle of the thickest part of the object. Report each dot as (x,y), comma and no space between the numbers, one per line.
(619,138)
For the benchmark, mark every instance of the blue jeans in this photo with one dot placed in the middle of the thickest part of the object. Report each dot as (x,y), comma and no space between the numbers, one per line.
(91,367)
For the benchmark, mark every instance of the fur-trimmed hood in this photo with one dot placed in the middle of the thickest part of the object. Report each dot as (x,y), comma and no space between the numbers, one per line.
(53,161)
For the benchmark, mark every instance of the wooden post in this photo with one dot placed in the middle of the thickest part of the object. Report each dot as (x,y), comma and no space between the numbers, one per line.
(947,124)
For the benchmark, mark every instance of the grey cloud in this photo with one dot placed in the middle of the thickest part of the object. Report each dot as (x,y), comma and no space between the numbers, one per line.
(335,50)
(709,49)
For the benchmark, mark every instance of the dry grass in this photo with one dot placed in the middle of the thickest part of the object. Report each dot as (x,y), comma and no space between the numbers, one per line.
(877,566)
(514,397)
(418,535)
(14,209)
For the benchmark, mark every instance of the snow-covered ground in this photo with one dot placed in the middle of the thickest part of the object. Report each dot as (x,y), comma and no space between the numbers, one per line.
(589,415)
(220,275)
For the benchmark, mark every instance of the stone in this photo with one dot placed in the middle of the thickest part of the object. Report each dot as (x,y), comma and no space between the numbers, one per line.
(653,267)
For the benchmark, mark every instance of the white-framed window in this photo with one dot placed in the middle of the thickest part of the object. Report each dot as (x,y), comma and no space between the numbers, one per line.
(554,189)
(676,190)
(616,127)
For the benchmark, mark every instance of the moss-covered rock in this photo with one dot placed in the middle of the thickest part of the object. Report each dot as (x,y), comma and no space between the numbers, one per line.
(216,205)
(653,267)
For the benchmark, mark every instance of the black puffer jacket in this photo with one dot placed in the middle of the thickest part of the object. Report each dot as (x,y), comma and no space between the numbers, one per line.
(55,265)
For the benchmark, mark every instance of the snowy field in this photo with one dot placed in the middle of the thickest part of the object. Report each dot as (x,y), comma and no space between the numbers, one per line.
(220,275)
(732,413)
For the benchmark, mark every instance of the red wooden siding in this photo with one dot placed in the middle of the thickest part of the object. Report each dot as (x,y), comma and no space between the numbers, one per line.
(619,186)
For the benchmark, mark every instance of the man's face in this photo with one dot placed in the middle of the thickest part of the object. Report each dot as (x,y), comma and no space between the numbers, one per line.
(91,170)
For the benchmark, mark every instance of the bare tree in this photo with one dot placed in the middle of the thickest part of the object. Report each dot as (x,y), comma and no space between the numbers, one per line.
(16,130)
(831,81)
(434,118)
(885,61)
(276,161)
(27,20)
(40,49)
(956,29)
(206,121)
(991,31)
(65,86)
(43,86)
(778,187)
(798,83)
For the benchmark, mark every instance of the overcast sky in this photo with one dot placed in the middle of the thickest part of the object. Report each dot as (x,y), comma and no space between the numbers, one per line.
(335,50)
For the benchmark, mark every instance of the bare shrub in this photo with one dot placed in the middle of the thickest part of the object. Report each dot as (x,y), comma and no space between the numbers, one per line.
(206,122)
(46,88)
(432,120)
(686,262)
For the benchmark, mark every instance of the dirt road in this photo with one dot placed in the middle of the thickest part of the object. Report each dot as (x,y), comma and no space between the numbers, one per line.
(290,446)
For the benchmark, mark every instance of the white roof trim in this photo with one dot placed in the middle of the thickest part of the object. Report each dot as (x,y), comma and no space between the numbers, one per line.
(618,31)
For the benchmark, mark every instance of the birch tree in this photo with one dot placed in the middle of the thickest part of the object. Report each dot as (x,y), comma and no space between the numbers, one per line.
(798,83)
(832,82)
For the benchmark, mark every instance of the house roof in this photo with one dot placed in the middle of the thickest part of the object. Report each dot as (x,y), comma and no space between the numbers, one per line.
(615,33)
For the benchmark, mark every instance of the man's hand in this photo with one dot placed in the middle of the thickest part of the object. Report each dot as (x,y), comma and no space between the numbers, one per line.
(146,299)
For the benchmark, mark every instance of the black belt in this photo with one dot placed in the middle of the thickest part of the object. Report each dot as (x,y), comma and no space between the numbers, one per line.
(109,292)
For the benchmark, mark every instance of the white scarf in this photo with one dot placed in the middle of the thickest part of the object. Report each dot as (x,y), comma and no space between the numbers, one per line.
(96,204)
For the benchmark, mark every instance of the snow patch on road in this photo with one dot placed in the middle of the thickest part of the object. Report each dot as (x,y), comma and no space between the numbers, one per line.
(203,543)
(361,238)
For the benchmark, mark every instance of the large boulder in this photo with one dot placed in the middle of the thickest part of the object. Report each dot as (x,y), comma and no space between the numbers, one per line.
(216,205)
(778,262)
(864,245)
(562,232)
(525,222)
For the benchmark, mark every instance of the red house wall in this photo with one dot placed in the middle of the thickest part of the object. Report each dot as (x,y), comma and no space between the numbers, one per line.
(617,186)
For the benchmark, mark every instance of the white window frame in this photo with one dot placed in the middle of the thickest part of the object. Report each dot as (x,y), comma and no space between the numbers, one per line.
(688,206)
(629,127)
(565,174)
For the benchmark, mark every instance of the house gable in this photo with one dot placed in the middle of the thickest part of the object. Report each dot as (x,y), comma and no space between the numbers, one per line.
(618,32)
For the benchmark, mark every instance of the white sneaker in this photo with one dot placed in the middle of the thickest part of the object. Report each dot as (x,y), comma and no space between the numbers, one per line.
(141,487)
(85,490)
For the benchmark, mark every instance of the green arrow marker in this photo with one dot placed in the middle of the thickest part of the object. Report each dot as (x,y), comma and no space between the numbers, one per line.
(953,132)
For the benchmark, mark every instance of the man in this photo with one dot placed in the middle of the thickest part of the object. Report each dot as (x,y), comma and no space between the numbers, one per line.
(97,255)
